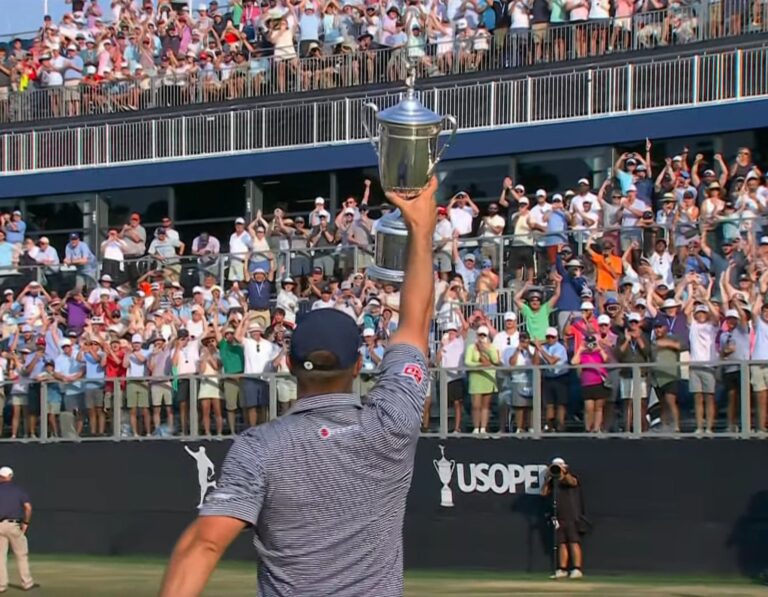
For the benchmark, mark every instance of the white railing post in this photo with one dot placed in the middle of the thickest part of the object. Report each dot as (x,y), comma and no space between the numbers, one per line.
(744,399)
(272,381)
(107,151)
(79,147)
(263,128)
(194,418)
(314,124)
(443,402)
(6,156)
(154,139)
(537,398)
(232,131)
(492,102)
(695,78)
(183,136)
(347,121)
(529,100)
(737,67)
(590,92)
(34,150)
(637,402)
(43,412)
(630,87)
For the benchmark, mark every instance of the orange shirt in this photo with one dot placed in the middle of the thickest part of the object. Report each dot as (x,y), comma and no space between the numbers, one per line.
(609,270)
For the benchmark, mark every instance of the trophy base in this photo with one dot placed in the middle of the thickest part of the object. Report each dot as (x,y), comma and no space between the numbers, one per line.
(383,274)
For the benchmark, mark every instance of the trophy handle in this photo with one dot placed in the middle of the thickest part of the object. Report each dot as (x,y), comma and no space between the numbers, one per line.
(371,137)
(453,466)
(441,151)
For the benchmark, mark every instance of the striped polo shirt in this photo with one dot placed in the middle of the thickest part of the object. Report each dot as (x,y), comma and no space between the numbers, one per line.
(324,487)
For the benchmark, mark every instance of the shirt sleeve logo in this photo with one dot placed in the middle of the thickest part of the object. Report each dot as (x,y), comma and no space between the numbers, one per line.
(414,371)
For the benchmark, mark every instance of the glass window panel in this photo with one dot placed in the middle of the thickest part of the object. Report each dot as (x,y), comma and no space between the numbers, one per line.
(63,212)
(150,202)
(210,199)
(294,192)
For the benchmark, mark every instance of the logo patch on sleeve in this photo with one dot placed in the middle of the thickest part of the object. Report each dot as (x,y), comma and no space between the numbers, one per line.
(414,371)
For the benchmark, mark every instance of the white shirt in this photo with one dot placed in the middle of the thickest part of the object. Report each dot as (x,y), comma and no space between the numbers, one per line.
(443,232)
(578,200)
(453,356)
(662,266)
(239,244)
(702,340)
(258,354)
(537,213)
(494,221)
(321,304)
(500,341)
(760,349)
(461,219)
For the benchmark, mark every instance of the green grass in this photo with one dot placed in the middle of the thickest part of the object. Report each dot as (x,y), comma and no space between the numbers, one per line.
(134,576)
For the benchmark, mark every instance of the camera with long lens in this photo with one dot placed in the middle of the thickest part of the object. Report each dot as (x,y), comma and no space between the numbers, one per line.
(556,471)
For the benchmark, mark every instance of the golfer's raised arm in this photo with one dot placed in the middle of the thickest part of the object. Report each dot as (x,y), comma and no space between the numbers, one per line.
(417,292)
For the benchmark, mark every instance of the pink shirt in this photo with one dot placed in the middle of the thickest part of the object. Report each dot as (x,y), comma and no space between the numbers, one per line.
(592,376)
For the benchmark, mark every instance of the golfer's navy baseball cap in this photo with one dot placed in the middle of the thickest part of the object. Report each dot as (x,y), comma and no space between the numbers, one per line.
(325,330)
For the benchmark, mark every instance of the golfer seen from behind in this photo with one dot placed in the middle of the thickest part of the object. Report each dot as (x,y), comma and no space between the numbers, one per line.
(324,487)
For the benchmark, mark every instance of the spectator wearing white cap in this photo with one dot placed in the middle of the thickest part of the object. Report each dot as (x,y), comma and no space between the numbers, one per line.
(703,320)
(322,237)
(462,211)
(317,212)
(15,517)
(518,393)
(68,370)
(137,388)
(347,302)
(555,388)
(509,336)
(240,244)
(113,250)
(582,326)
(258,354)
(78,254)
(734,342)
(450,356)
(480,357)
(165,249)
(48,256)
(521,228)
(73,74)
(15,228)
(535,311)
(584,194)
(372,351)
(634,348)
(466,267)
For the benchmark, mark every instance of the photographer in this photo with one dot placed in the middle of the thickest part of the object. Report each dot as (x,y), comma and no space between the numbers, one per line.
(567,517)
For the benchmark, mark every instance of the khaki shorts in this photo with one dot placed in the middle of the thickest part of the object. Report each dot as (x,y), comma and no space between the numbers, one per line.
(231,394)
(137,395)
(702,380)
(236,271)
(627,386)
(108,395)
(540,32)
(286,390)
(161,396)
(759,375)
(18,399)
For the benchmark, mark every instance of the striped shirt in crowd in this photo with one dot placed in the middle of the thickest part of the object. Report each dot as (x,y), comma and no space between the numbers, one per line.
(325,486)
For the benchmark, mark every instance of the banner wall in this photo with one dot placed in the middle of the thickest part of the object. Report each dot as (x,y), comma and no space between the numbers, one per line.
(657,505)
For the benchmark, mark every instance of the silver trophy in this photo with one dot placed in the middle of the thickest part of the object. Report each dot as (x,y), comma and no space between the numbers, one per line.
(408,154)
(444,468)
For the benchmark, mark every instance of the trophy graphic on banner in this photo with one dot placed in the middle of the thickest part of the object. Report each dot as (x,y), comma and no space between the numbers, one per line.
(444,468)
(408,154)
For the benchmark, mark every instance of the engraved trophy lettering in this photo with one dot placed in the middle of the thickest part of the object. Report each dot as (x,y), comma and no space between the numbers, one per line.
(444,468)
(406,142)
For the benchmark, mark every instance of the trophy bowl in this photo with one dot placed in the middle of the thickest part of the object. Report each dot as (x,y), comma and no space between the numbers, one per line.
(406,142)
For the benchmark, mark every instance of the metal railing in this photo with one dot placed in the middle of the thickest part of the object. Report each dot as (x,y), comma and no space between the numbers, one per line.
(632,400)
(266,75)
(737,75)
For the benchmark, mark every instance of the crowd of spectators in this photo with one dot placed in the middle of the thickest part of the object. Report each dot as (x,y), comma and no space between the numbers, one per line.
(130,54)
(626,294)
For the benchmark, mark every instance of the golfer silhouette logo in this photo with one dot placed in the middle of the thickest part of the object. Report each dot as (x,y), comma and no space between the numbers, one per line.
(206,472)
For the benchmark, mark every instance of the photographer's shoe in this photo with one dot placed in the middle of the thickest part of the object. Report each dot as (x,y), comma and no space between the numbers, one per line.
(559,573)
(576,573)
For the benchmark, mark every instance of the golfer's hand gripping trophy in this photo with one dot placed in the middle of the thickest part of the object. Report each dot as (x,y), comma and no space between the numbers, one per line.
(408,155)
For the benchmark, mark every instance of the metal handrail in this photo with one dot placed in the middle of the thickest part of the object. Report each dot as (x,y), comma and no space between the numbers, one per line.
(733,75)
(676,25)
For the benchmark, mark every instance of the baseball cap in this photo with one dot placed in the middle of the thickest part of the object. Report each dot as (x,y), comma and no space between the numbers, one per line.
(6,471)
(105,278)
(452,327)
(583,181)
(550,332)
(510,316)
(763,241)
(523,200)
(660,322)
(325,331)
(469,257)
(669,303)
(587,306)
(486,263)
(368,332)
(641,168)
(8,291)
(611,300)
(677,158)
(701,308)
(573,263)
(346,285)
(634,317)
(603,320)
(65,342)
(197,289)
(239,221)
(74,236)
(732,313)
(319,201)
(557,462)
(631,188)
(541,193)
(137,339)
(483,330)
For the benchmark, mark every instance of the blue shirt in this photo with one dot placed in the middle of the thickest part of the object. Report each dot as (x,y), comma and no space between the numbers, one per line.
(368,363)
(37,369)
(68,366)
(71,73)
(570,289)
(259,294)
(556,350)
(12,500)
(94,372)
(6,255)
(82,251)
(13,236)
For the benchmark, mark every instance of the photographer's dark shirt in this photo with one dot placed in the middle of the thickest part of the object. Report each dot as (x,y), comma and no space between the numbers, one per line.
(568,503)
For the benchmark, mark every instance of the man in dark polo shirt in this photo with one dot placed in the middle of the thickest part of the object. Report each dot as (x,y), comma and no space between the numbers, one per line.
(15,514)
(324,486)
